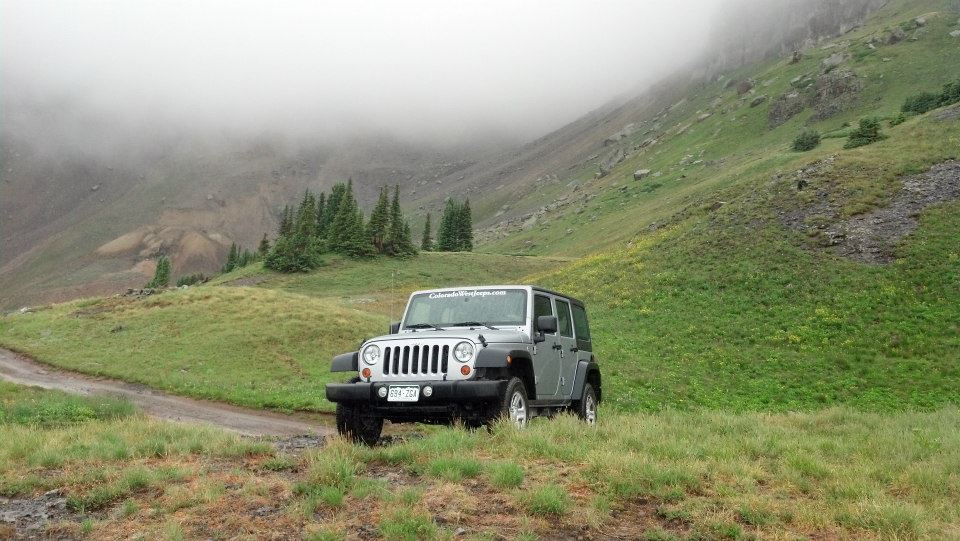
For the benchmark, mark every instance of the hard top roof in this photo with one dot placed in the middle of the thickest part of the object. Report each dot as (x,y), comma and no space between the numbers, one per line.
(504,286)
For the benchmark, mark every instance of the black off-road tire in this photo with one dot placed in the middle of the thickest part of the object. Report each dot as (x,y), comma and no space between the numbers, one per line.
(359,424)
(514,392)
(586,407)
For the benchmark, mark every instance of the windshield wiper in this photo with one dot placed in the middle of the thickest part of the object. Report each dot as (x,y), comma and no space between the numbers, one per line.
(424,326)
(474,324)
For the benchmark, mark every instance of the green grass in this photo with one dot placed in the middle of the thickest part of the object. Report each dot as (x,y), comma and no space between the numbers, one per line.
(250,346)
(35,407)
(835,472)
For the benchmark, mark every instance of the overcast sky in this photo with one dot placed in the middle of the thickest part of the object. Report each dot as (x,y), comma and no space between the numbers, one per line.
(433,68)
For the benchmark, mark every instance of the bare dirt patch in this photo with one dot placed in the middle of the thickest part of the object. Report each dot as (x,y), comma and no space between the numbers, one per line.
(872,237)
(27,518)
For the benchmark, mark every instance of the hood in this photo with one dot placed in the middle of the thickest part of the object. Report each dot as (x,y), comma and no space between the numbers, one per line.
(491,336)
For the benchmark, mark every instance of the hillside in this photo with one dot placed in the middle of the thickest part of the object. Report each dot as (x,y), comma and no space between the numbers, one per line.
(89,199)
(745,276)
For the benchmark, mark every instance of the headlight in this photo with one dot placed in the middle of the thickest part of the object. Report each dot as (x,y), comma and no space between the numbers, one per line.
(463,351)
(371,354)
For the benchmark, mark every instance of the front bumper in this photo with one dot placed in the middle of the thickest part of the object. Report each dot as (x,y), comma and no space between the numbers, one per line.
(444,393)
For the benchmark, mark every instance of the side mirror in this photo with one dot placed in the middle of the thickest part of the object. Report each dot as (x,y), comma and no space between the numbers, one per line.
(394,327)
(545,324)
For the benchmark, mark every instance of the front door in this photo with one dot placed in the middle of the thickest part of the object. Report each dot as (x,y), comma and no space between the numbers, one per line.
(567,353)
(546,361)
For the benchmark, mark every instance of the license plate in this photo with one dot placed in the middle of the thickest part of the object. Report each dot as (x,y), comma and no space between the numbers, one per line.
(403,393)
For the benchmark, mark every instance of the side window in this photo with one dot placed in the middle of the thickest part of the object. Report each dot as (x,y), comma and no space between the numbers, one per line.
(582,328)
(564,325)
(541,307)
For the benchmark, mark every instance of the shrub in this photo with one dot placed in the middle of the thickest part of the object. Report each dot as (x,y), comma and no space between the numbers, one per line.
(191,279)
(161,277)
(806,140)
(897,120)
(867,133)
(927,101)
(921,103)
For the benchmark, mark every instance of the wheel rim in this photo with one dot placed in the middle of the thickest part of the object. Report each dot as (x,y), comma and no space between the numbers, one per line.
(518,410)
(590,409)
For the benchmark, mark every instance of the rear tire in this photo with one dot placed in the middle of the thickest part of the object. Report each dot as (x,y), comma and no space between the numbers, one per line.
(358,424)
(586,407)
(513,404)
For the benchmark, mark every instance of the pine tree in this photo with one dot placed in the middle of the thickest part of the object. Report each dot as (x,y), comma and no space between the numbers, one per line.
(264,247)
(399,241)
(232,258)
(347,234)
(286,222)
(426,243)
(331,209)
(379,222)
(446,239)
(161,276)
(321,212)
(306,222)
(465,228)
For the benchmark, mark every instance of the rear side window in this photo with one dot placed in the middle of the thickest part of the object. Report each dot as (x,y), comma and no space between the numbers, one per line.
(565,326)
(582,328)
(541,307)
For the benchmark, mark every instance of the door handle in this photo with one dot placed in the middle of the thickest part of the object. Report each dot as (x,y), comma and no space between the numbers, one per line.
(574,349)
(557,346)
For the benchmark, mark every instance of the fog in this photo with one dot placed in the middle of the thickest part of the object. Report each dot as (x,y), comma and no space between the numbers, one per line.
(419,69)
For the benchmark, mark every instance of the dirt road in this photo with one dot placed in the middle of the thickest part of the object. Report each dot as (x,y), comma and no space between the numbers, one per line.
(19,369)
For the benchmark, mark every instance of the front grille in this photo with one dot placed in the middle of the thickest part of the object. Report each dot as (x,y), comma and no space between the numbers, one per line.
(415,360)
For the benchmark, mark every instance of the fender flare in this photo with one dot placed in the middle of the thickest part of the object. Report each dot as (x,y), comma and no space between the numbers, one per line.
(494,357)
(584,368)
(346,362)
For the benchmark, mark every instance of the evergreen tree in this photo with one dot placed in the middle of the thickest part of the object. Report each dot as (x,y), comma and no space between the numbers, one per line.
(446,239)
(161,276)
(286,222)
(399,241)
(321,212)
(346,234)
(306,221)
(379,222)
(264,247)
(465,228)
(331,209)
(245,259)
(426,243)
(233,258)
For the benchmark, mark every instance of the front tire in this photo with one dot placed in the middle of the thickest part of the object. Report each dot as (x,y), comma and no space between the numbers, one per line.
(514,405)
(586,407)
(358,424)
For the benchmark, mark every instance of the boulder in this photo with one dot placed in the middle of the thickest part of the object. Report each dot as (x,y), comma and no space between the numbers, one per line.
(833,60)
(758,100)
(641,174)
(896,36)
(955,34)
(704,116)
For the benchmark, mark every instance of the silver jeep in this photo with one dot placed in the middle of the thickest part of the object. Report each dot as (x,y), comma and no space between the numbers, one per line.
(471,355)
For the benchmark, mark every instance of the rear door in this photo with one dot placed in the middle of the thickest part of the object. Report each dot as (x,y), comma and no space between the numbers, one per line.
(546,362)
(567,352)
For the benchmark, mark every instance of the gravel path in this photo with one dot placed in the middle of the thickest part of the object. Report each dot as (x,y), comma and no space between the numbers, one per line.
(17,368)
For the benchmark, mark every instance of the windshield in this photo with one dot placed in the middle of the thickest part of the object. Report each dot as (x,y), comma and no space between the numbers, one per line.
(467,306)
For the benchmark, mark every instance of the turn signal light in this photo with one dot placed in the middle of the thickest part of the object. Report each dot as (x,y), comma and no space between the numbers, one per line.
(509,359)
(465,370)
(365,372)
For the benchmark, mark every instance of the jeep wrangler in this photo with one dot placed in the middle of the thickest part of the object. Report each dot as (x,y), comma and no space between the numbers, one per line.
(471,355)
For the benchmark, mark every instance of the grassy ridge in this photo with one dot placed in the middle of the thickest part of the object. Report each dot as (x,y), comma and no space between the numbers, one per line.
(249,346)
(729,309)
(265,346)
